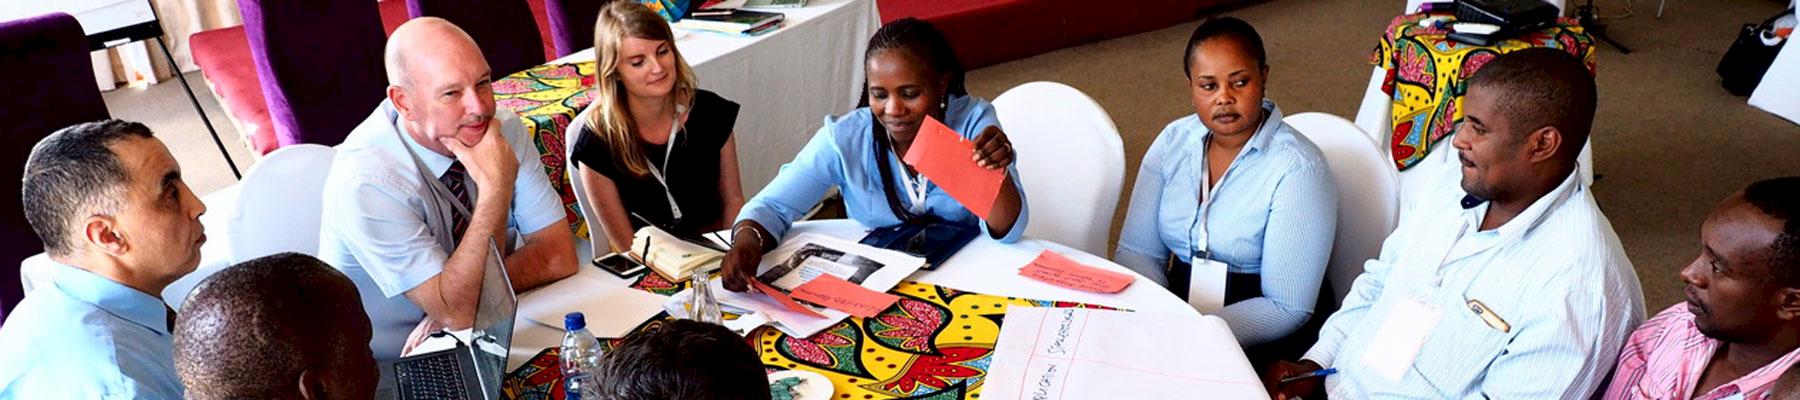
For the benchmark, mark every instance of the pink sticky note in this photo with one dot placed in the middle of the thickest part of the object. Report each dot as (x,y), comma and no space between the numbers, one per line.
(945,157)
(837,293)
(1057,270)
(783,299)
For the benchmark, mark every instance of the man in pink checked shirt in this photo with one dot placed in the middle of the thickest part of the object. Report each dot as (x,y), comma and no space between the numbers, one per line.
(1739,330)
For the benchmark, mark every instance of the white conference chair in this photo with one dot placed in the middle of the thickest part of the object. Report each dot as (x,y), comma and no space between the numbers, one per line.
(1070,159)
(1367,198)
(280,202)
(598,245)
(277,210)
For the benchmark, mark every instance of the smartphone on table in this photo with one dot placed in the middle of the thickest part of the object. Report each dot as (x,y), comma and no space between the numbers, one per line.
(620,264)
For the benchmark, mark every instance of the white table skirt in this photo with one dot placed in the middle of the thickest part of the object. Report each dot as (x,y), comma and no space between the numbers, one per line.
(785,81)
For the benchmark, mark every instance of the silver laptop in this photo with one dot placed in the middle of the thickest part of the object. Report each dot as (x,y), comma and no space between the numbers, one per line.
(472,370)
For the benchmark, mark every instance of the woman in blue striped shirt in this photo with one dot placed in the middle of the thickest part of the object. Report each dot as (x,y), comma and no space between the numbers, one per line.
(1232,184)
(912,73)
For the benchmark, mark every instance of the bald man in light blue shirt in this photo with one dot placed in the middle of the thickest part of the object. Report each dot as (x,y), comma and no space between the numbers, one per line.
(108,202)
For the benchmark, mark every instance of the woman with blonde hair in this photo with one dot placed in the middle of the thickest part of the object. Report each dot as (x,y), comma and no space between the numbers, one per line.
(656,150)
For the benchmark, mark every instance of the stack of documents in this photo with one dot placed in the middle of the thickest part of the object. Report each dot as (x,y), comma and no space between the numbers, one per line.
(808,257)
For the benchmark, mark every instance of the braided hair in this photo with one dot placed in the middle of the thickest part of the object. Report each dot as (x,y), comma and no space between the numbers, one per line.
(924,43)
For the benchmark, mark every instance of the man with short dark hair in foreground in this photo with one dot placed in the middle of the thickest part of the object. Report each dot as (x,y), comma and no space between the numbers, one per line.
(285,326)
(683,359)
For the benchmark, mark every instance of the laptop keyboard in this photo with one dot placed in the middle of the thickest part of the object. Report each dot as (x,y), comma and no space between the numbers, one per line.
(434,377)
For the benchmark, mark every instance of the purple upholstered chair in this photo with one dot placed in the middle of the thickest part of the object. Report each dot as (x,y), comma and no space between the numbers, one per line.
(572,23)
(504,29)
(49,83)
(319,63)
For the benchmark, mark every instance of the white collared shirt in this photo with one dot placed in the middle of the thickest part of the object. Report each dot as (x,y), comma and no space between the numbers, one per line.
(374,227)
(1556,274)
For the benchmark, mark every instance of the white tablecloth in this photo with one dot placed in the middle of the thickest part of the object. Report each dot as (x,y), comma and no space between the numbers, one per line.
(984,266)
(786,81)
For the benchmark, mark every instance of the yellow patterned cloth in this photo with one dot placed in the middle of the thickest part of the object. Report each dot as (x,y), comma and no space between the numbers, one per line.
(546,98)
(1427,76)
(935,343)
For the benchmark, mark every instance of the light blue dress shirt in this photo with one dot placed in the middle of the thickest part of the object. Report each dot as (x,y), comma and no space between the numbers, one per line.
(374,217)
(843,155)
(1555,274)
(87,337)
(1273,213)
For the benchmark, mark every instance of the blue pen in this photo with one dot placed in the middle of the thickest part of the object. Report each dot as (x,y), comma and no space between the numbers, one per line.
(1313,374)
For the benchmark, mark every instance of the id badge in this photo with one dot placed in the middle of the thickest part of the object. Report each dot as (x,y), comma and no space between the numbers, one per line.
(1206,285)
(1396,344)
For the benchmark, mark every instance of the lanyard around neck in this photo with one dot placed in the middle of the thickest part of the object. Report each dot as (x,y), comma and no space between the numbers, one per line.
(440,199)
(674,131)
(1208,192)
(916,189)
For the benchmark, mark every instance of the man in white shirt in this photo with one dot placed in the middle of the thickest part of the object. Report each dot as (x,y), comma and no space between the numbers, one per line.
(418,191)
(1510,284)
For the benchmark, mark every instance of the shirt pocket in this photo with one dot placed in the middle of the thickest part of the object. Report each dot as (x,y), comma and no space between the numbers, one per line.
(1460,350)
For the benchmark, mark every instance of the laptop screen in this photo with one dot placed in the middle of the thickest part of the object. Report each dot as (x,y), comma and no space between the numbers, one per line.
(493,330)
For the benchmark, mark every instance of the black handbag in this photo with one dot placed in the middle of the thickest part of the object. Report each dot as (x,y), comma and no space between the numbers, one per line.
(1744,64)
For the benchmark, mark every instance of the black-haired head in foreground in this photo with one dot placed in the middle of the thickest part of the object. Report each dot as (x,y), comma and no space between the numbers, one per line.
(683,359)
(273,328)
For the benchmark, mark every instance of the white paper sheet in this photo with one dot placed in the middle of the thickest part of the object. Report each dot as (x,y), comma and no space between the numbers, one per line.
(1065,353)
(611,310)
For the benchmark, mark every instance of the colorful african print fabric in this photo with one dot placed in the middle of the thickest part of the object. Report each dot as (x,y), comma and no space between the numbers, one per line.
(1427,75)
(935,343)
(546,98)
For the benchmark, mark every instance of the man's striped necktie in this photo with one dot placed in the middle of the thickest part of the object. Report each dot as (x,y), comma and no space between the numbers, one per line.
(456,179)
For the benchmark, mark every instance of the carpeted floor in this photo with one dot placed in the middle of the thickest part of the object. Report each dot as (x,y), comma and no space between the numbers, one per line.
(1668,142)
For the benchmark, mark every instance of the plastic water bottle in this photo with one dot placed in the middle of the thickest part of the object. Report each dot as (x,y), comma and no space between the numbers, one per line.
(580,354)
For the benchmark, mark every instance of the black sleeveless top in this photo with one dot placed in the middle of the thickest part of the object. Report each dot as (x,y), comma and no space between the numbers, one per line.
(693,175)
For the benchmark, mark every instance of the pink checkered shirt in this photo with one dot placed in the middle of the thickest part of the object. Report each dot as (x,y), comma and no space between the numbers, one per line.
(1666,356)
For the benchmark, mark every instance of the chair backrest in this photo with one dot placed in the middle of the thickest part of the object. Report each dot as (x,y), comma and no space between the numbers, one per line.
(596,232)
(49,84)
(319,63)
(504,29)
(1367,197)
(1070,162)
(279,203)
(572,23)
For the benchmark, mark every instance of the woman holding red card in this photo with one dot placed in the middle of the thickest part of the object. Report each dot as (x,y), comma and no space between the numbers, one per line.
(913,77)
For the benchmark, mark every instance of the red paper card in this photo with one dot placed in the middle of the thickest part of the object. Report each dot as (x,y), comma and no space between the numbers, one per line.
(947,160)
(837,293)
(783,299)
(1057,270)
